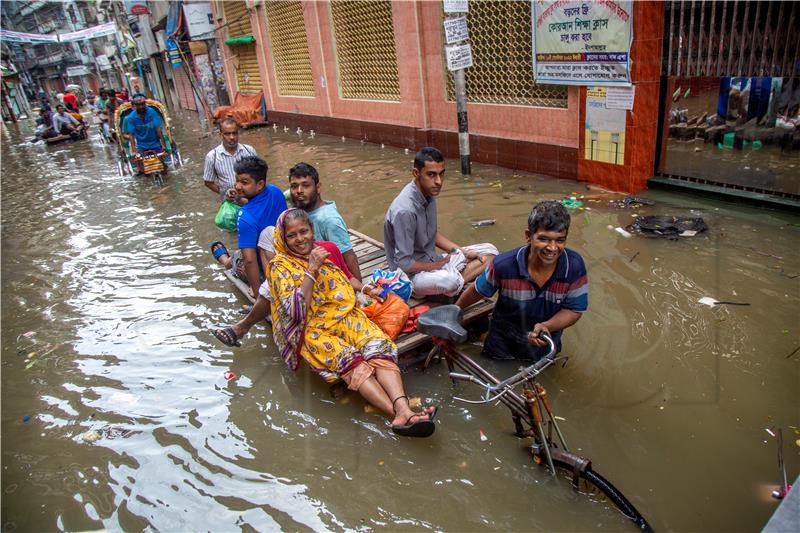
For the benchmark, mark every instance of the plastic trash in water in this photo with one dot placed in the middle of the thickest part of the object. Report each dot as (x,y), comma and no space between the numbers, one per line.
(26,418)
(229,375)
(622,232)
(711,302)
(482,223)
(571,203)
(484,438)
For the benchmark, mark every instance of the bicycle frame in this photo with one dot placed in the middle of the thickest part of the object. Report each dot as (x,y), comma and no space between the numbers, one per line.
(529,406)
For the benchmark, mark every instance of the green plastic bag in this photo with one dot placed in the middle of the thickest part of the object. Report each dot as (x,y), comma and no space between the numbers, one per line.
(227,216)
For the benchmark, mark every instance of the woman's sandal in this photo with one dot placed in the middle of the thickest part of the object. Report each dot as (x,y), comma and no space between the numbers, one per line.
(421,428)
(227,337)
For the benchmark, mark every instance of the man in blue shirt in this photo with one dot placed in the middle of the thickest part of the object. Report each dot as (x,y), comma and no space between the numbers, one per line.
(143,129)
(265,203)
(542,288)
(328,226)
(328,223)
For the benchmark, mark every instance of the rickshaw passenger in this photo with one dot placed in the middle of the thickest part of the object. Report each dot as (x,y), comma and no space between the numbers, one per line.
(143,129)
(64,123)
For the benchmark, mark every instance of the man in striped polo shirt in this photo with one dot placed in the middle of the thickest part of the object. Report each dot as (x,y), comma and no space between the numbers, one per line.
(218,173)
(542,288)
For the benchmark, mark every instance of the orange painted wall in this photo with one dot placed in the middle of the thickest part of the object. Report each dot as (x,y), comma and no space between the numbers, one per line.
(421,73)
(642,123)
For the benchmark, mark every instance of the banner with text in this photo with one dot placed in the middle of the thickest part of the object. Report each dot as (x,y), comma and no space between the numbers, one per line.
(109,28)
(582,43)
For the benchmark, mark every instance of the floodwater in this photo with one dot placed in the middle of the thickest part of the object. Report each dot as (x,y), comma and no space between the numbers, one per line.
(123,418)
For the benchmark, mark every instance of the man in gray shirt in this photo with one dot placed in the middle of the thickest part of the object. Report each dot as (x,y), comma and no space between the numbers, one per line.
(411,234)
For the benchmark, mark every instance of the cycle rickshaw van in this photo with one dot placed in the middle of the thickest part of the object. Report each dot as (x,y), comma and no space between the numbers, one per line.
(153,163)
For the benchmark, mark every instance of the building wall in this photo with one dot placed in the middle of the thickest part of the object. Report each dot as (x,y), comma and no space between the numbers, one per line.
(537,139)
(642,123)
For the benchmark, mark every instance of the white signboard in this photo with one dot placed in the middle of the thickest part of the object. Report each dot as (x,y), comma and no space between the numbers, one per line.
(455,30)
(582,42)
(458,56)
(102,62)
(77,71)
(199,20)
(456,6)
(620,97)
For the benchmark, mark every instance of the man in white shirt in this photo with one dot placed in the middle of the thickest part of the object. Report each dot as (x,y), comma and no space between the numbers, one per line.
(218,173)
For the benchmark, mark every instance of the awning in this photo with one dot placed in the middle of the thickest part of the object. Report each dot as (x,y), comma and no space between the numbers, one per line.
(245,39)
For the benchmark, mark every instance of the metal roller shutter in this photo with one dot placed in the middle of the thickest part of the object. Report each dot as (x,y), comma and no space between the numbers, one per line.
(247,75)
(237,17)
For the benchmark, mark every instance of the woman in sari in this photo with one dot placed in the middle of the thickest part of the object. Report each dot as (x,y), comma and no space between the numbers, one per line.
(315,318)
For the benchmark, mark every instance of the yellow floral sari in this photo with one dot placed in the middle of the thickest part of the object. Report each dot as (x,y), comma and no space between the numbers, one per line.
(330,332)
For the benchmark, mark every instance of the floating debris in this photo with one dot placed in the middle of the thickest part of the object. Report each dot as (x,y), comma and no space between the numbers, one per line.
(229,375)
(482,223)
(90,436)
(484,438)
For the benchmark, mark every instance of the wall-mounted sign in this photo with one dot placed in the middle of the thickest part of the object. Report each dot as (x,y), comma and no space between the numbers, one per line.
(80,70)
(102,62)
(458,56)
(455,30)
(199,20)
(455,6)
(583,42)
(604,130)
(136,7)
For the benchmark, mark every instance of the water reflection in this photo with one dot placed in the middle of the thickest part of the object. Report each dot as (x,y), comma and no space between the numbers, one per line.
(133,424)
(735,130)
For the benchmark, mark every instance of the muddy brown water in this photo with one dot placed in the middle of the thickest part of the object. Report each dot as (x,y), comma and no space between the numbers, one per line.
(133,426)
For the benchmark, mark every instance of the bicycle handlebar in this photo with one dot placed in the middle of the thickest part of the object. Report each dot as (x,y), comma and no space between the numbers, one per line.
(493,392)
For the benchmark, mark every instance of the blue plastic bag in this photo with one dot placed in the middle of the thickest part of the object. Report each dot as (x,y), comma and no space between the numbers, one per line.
(395,281)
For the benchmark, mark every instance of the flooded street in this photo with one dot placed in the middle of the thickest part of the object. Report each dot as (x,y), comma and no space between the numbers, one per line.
(122,418)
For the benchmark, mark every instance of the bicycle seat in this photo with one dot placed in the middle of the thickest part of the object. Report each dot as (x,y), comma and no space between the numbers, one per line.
(443,322)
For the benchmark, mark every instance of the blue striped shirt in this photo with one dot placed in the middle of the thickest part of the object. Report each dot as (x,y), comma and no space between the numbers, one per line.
(522,304)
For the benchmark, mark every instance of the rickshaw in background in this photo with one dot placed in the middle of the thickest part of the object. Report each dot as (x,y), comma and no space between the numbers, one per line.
(153,163)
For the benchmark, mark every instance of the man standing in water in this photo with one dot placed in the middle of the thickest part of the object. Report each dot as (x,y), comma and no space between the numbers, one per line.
(543,288)
(218,173)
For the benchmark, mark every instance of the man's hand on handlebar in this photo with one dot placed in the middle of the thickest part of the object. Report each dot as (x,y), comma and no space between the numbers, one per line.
(534,336)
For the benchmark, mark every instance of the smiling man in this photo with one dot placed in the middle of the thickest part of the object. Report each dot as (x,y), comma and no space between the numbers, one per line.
(265,203)
(411,234)
(543,288)
(328,223)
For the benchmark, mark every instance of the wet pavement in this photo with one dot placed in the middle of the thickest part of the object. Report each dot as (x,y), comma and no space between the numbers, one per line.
(116,413)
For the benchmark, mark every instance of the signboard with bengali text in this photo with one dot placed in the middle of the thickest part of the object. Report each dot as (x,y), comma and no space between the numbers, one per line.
(455,30)
(582,43)
(458,56)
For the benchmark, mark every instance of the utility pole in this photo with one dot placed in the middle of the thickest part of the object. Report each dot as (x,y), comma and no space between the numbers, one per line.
(459,57)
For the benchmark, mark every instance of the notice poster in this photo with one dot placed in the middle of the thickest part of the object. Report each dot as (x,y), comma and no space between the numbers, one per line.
(604,129)
(582,43)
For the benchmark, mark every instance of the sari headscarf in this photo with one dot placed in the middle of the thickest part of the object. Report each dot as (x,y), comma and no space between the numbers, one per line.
(332,298)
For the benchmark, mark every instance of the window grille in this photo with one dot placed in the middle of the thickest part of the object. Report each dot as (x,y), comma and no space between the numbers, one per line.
(289,45)
(502,52)
(365,51)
